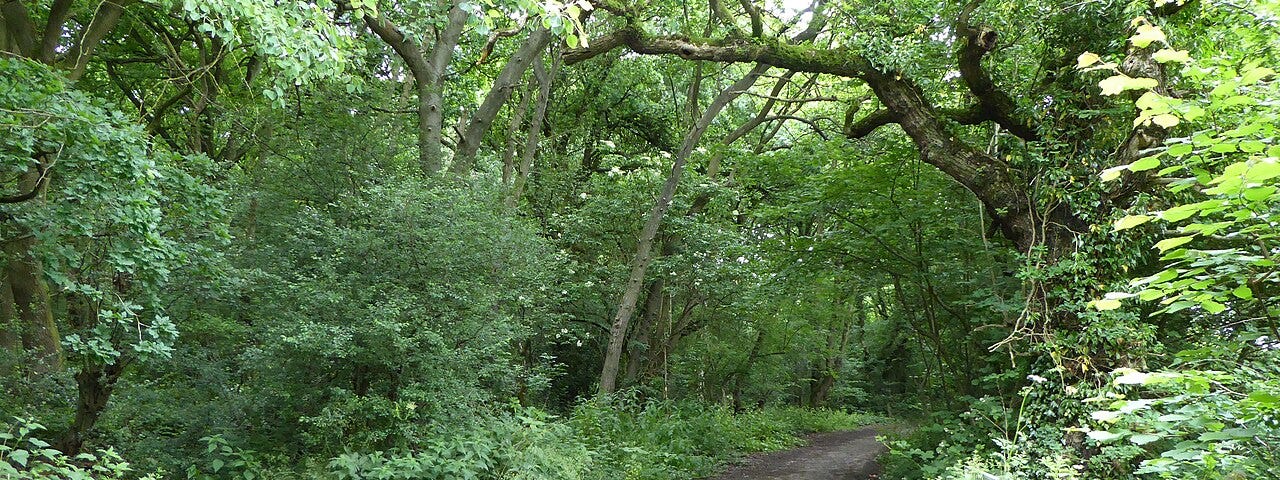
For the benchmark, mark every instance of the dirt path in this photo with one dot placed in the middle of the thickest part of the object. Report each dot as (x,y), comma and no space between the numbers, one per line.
(847,455)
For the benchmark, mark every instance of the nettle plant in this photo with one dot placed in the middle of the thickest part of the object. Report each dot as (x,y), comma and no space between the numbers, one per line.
(1216,412)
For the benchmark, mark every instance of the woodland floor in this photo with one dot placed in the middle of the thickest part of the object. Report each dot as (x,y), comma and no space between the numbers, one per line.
(848,455)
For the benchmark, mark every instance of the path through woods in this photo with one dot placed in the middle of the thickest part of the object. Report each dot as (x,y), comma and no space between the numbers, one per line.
(849,455)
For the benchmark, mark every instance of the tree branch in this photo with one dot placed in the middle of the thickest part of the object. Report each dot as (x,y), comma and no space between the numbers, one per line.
(993,104)
(104,20)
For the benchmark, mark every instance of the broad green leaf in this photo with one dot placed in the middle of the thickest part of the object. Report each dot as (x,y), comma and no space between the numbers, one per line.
(1144,438)
(1087,59)
(1119,83)
(1212,307)
(1106,304)
(1165,120)
(1146,163)
(1146,35)
(1130,221)
(1171,243)
(1131,377)
(1113,173)
(1262,171)
(1243,292)
(1255,74)
(1103,436)
(1167,55)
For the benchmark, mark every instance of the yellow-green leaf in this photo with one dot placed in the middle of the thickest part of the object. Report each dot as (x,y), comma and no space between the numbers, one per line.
(1146,35)
(1243,292)
(1165,120)
(1146,163)
(1113,173)
(1167,55)
(1118,83)
(1131,221)
(1106,304)
(1087,59)
(1175,242)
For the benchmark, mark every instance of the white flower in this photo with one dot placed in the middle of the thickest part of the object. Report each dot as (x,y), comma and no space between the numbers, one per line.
(1037,378)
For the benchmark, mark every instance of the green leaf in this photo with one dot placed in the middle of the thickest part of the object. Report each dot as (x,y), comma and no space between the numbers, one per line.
(1213,307)
(1131,377)
(1130,221)
(1255,74)
(1144,438)
(1167,55)
(1119,83)
(1146,35)
(1146,163)
(1106,304)
(1243,292)
(1171,243)
(1262,170)
(1087,59)
(1103,436)
(20,457)
(1265,399)
(1113,173)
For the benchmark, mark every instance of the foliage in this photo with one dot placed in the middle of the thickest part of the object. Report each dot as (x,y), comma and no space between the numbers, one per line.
(23,456)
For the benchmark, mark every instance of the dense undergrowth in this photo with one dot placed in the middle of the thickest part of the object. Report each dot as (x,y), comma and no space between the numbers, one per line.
(601,439)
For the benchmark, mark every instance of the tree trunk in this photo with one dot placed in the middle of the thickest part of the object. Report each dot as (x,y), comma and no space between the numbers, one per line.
(94,385)
(31,302)
(545,79)
(469,143)
(509,153)
(644,244)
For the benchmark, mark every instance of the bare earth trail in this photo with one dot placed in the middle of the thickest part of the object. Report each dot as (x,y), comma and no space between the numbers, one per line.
(849,455)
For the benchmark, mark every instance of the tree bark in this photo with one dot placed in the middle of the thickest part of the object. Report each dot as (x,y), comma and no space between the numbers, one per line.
(534,137)
(25,279)
(469,143)
(94,386)
(644,244)
(513,143)
(428,74)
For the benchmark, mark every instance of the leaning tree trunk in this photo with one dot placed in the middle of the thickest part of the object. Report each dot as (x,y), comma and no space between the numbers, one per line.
(644,244)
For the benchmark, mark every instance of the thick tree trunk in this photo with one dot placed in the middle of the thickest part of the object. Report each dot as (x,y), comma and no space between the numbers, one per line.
(94,385)
(31,302)
(428,74)
(740,376)
(644,244)
(639,348)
